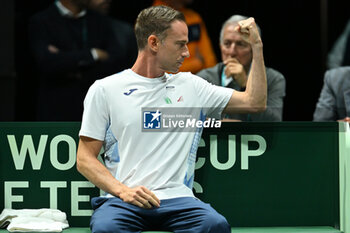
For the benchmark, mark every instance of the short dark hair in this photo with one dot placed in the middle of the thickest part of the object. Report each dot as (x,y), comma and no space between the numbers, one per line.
(155,20)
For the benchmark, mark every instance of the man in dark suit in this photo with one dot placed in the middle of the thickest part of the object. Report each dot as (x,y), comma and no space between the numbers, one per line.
(73,47)
(123,32)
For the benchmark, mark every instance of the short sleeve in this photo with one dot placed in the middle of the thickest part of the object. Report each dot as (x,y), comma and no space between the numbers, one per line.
(212,98)
(96,115)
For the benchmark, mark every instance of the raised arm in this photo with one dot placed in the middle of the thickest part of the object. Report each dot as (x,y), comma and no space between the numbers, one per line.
(253,99)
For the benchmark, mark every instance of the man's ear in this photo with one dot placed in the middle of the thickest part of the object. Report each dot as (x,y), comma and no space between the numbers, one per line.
(153,42)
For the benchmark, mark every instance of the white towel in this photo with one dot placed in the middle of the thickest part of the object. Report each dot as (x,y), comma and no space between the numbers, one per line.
(38,220)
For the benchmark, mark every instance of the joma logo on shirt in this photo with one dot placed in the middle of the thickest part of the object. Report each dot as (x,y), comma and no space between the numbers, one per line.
(130,91)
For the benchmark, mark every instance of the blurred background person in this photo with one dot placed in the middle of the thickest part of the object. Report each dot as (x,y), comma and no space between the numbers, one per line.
(233,72)
(72,46)
(201,51)
(334,101)
(340,52)
(123,32)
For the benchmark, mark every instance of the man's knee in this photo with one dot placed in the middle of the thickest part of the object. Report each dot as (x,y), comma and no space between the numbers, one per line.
(104,225)
(217,223)
(114,217)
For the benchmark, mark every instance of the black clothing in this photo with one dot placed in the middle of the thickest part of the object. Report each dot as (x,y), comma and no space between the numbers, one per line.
(66,75)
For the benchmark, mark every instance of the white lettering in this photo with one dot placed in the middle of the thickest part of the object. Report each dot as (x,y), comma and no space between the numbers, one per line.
(72,152)
(245,139)
(164,124)
(181,124)
(9,198)
(76,198)
(199,124)
(173,123)
(206,124)
(190,123)
(197,187)
(53,186)
(231,152)
(36,158)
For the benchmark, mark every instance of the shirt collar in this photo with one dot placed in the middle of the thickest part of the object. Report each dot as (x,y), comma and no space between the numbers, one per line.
(66,12)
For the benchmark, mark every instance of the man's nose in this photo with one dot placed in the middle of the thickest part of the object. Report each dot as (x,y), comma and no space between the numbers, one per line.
(186,53)
(232,50)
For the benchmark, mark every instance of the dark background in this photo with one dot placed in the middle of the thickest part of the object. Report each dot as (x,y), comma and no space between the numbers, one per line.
(297,36)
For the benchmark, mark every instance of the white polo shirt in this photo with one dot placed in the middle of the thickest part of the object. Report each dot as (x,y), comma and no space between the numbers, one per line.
(161,161)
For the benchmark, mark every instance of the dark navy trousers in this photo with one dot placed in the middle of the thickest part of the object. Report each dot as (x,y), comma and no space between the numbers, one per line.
(178,215)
